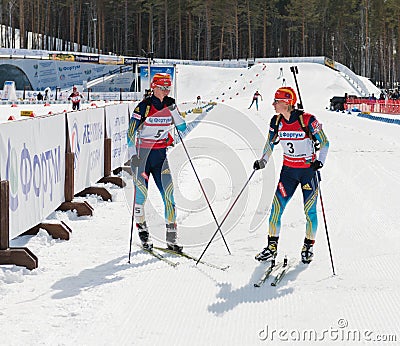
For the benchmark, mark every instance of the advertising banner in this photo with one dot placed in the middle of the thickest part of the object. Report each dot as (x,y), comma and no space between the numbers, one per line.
(32,159)
(144,75)
(86,137)
(86,58)
(330,63)
(117,121)
(62,56)
(137,60)
(57,73)
(111,60)
(9,91)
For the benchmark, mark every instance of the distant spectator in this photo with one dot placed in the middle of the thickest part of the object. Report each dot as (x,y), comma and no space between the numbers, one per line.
(75,97)
(382,96)
(47,93)
(39,96)
(372,97)
(395,94)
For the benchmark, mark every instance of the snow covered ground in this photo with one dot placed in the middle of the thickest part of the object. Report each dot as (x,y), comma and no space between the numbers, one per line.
(85,292)
(43,109)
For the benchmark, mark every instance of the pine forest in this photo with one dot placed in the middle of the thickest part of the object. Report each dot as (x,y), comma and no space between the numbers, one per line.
(362,34)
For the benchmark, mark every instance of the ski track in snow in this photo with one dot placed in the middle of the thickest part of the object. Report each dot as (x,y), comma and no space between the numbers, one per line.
(86,293)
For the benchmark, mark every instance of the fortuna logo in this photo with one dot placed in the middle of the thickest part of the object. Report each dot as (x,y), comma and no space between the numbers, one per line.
(291,134)
(161,120)
(306,187)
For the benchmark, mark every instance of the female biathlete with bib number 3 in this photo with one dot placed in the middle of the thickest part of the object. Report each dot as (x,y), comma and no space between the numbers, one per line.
(300,135)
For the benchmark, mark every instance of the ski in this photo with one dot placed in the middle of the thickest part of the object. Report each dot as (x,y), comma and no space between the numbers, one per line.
(285,268)
(160,257)
(273,267)
(188,256)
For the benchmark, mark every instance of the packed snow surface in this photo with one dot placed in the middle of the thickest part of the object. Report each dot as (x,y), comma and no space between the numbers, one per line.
(85,292)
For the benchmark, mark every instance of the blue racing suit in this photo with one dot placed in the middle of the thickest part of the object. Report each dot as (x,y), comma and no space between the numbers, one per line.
(299,153)
(152,120)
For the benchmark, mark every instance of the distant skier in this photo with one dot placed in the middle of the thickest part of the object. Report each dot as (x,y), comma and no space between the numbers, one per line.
(198,101)
(148,139)
(75,97)
(255,99)
(300,134)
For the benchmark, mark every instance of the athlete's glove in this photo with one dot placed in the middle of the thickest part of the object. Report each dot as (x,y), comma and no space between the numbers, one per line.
(169,101)
(316,165)
(135,161)
(259,164)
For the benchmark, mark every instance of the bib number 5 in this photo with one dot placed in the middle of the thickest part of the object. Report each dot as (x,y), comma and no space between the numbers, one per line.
(158,134)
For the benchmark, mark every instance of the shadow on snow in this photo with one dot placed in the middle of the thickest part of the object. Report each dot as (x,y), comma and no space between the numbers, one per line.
(103,274)
(228,299)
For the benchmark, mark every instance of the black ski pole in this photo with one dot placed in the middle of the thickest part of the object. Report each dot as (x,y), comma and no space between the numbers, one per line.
(230,209)
(295,71)
(202,189)
(323,213)
(133,215)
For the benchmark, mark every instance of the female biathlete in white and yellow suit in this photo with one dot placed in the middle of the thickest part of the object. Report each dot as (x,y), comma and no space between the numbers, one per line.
(148,139)
(298,133)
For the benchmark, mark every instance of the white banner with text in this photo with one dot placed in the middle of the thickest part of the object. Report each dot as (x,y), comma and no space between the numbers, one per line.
(117,122)
(32,159)
(86,138)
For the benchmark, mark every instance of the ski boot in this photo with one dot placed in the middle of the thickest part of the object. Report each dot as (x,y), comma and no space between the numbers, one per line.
(144,236)
(172,238)
(269,253)
(307,251)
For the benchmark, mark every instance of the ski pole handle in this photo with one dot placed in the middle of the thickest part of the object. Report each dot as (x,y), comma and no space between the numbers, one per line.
(295,71)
